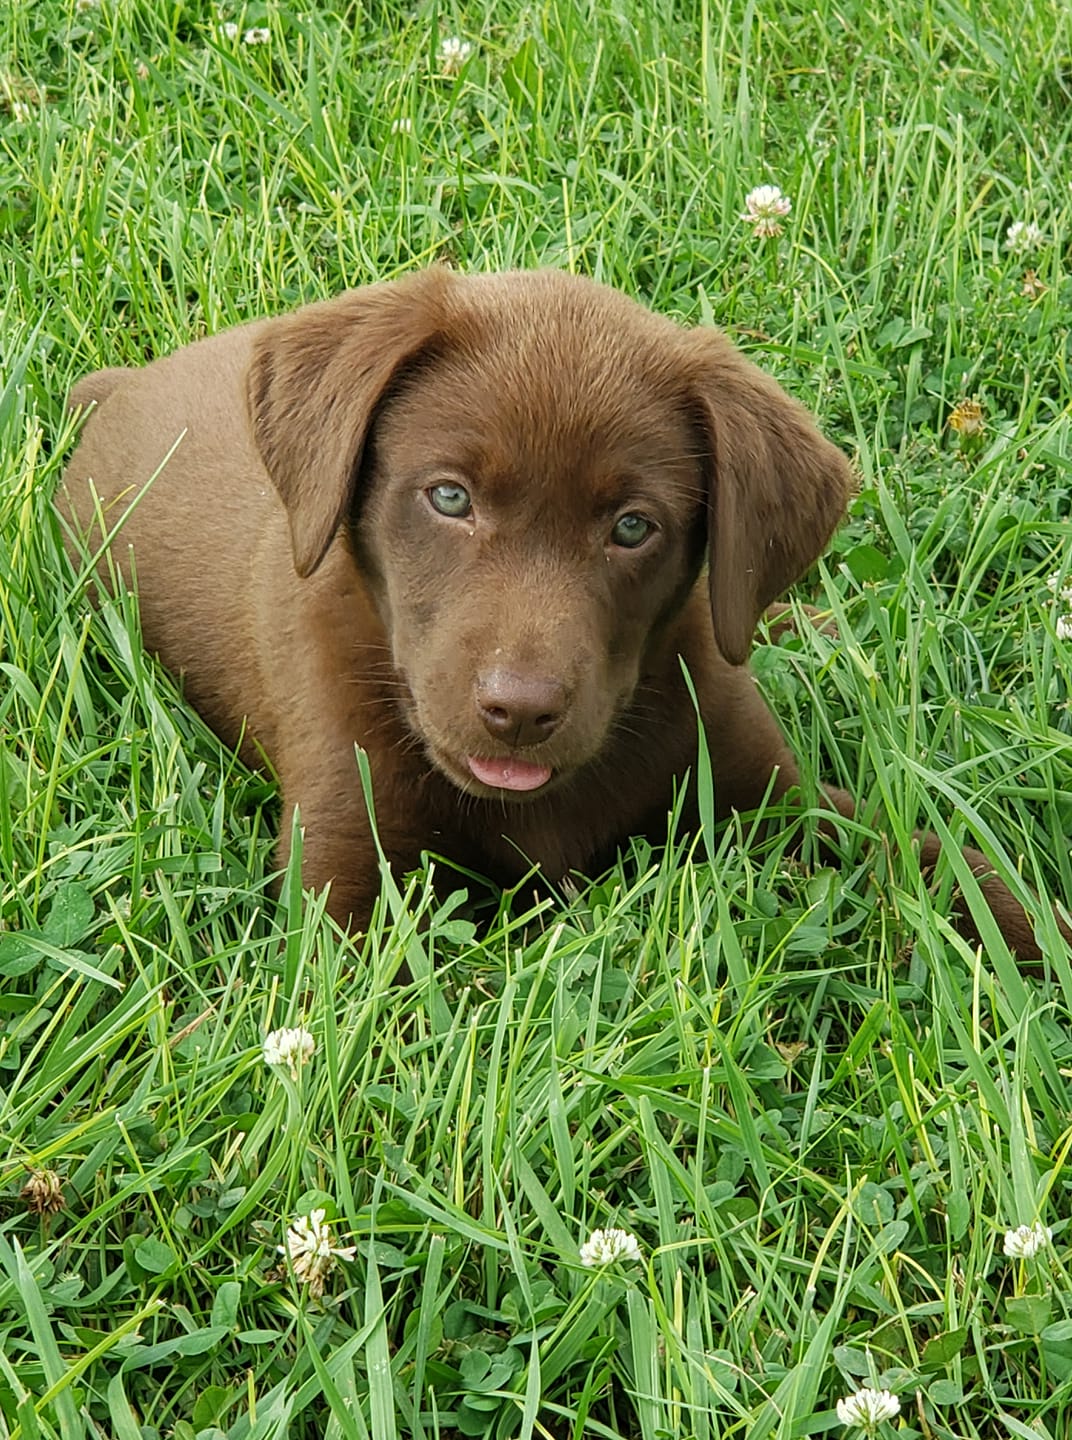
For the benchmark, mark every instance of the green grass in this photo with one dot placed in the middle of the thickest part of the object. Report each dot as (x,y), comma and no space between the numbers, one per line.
(815,1106)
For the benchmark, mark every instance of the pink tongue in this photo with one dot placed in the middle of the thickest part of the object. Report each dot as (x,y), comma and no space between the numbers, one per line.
(510,774)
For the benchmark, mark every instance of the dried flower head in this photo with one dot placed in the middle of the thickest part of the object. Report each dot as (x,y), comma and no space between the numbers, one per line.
(43,1193)
(764,208)
(453,53)
(605,1247)
(1027,1240)
(966,418)
(1023,236)
(289,1047)
(310,1250)
(1032,286)
(868,1408)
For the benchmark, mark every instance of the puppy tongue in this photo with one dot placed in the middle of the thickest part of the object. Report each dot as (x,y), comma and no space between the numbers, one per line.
(510,774)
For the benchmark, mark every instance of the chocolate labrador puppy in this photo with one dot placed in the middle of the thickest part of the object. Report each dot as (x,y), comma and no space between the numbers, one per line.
(463,522)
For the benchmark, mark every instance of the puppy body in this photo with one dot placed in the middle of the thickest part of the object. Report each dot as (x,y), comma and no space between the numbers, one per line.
(461,522)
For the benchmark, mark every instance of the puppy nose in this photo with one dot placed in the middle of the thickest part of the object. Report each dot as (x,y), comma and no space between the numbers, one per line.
(520,709)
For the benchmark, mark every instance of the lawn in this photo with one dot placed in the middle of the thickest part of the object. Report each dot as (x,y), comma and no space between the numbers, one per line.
(817,1109)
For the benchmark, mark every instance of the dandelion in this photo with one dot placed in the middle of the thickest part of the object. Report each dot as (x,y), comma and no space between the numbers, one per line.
(604,1247)
(453,53)
(310,1250)
(1023,236)
(1027,1240)
(288,1047)
(43,1193)
(764,208)
(966,418)
(257,35)
(868,1408)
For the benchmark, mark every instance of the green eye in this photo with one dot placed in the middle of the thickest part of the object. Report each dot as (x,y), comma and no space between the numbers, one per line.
(631,530)
(450,499)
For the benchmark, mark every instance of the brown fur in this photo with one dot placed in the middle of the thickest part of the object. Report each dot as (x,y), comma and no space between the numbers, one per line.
(291,566)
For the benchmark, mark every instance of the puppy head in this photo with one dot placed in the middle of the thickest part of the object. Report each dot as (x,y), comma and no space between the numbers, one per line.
(531,468)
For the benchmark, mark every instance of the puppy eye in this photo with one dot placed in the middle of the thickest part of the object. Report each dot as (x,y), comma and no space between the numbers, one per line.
(450,499)
(631,530)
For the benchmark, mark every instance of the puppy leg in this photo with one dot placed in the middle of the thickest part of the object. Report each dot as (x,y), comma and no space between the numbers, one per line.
(780,620)
(337,842)
(750,746)
(1013,920)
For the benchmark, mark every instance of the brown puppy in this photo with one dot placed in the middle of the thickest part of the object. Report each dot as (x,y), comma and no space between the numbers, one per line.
(461,521)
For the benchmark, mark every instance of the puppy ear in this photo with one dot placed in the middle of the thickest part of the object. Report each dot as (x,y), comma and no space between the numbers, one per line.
(94,389)
(314,382)
(777,488)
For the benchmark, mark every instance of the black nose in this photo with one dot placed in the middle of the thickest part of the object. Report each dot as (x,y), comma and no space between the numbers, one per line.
(520,709)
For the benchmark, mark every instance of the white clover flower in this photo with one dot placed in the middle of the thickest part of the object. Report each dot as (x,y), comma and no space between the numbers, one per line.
(229,29)
(257,35)
(1023,236)
(1027,1240)
(764,207)
(453,53)
(20,111)
(310,1250)
(1059,591)
(604,1247)
(288,1047)
(1062,595)
(403,125)
(868,1408)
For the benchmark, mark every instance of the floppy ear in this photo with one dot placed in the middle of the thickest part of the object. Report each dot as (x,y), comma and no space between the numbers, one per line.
(778,489)
(314,382)
(95,388)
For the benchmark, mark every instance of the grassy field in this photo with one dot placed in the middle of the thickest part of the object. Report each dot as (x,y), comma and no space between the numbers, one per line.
(816,1108)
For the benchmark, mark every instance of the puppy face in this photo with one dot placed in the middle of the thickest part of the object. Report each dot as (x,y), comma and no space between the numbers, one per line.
(532,515)
(530,467)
